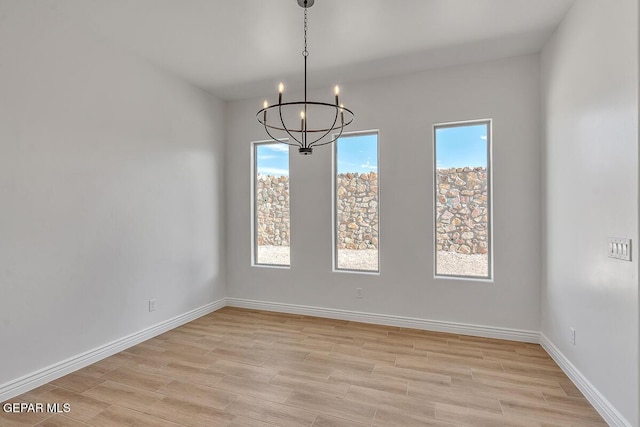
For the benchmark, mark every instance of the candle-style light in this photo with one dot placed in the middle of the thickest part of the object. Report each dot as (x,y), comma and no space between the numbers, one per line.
(280,90)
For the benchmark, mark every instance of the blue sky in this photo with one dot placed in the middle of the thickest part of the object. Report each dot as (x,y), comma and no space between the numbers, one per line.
(358,153)
(273,159)
(461,146)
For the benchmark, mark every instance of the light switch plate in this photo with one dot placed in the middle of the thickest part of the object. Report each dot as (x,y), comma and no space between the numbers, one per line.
(620,248)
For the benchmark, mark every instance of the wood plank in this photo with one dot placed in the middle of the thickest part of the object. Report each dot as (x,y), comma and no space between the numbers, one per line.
(180,410)
(76,382)
(198,394)
(137,378)
(333,406)
(454,396)
(83,408)
(416,408)
(117,416)
(123,395)
(329,421)
(271,412)
(479,418)
(250,372)
(297,381)
(260,390)
(203,376)
(530,410)
(61,421)
(369,381)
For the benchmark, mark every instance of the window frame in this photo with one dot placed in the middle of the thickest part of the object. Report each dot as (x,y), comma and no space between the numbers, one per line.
(254,211)
(490,257)
(334,211)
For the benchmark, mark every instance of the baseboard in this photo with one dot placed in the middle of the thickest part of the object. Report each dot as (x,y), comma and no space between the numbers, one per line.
(391,320)
(599,402)
(29,382)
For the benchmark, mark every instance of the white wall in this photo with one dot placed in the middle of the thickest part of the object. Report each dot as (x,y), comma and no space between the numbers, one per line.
(404,110)
(590,92)
(111,188)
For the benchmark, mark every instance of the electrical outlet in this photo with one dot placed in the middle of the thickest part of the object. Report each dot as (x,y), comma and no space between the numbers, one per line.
(572,337)
(152,305)
(358,292)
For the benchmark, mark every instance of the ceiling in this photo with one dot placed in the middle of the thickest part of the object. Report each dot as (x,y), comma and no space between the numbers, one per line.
(238,49)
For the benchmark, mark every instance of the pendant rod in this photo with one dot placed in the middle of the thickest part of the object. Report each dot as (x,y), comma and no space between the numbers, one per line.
(305,54)
(305,101)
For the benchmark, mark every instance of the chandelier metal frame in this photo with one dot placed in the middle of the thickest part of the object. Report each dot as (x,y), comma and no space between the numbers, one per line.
(305,137)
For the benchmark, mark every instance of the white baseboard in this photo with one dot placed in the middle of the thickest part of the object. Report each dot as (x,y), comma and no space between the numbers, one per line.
(599,402)
(391,320)
(29,382)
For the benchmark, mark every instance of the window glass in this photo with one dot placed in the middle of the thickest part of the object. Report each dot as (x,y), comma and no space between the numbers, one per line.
(356,203)
(271,204)
(463,199)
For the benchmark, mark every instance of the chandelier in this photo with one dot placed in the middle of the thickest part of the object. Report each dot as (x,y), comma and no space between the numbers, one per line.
(320,123)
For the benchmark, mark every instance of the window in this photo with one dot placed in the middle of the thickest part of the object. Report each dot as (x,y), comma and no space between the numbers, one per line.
(356,203)
(462,156)
(271,223)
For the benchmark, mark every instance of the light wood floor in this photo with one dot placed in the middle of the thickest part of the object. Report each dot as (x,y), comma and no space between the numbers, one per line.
(240,367)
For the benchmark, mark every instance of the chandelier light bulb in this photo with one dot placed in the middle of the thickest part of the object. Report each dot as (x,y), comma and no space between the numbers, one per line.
(265,104)
(336,90)
(302,115)
(281,87)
